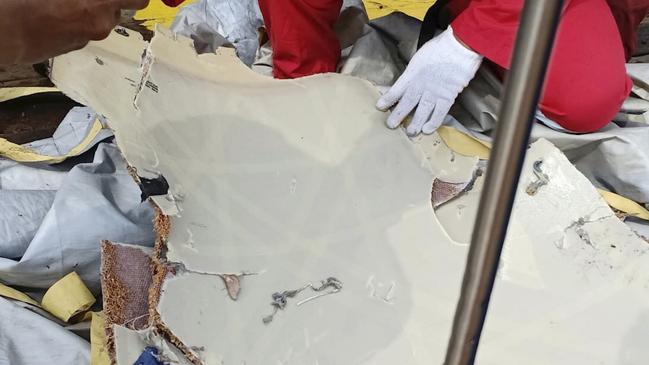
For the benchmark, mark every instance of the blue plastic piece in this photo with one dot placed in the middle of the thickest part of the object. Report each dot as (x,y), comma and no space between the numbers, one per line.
(148,357)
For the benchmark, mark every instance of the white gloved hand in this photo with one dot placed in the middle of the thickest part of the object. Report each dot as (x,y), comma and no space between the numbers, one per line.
(435,76)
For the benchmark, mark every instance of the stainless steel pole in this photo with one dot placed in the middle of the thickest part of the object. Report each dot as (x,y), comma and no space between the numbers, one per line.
(534,42)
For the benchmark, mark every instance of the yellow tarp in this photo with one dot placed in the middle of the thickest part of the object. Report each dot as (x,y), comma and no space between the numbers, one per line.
(464,144)
(11,293)
(67,297)
(98,348)
(467,145)
(625,205)
(8,93)
(414,8)
(158,13)
(64,299)
(19,153)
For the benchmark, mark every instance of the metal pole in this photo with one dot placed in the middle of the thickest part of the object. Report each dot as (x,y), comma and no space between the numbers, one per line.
(534,41)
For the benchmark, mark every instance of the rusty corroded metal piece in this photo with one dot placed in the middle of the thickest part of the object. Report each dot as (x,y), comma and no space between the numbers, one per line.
(232,285)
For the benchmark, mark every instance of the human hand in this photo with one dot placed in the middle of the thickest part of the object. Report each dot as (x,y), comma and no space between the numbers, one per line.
(435,76)
(35,30)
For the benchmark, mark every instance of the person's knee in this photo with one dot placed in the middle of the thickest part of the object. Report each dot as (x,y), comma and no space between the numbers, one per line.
(587,110)
(586,82)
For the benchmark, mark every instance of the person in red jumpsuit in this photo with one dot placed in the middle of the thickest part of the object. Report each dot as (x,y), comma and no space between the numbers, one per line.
(585,85)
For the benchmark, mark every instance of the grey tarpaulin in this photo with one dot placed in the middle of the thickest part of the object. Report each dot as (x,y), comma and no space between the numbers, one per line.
(22,213)
(27,191)
(212,23)
(53,224)
(26,338)
(28,177)
(379,52)
(52,218)
(73,129)
(96,201)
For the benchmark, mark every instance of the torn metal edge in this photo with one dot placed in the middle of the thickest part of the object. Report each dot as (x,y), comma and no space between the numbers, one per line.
(162,270)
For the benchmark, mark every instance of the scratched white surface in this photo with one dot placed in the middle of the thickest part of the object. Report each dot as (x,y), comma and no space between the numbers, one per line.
(299,180)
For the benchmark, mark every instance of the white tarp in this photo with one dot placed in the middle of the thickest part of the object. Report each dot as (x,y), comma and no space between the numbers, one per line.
(212,23)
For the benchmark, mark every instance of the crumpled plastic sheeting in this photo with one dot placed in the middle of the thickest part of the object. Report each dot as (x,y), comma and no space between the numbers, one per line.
(633,110)
(53,217)
(28,177)
(27,191)
(73,129)
(616,158)
(402,29)
(379,51)
(22,213)
(212,23)
(27,338)
(96,201)
(15,176)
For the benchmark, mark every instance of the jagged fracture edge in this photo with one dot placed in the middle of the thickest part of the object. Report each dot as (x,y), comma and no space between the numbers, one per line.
(161,270)
(161,222)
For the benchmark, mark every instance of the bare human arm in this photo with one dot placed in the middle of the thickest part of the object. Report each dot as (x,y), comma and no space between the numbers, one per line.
(35,30)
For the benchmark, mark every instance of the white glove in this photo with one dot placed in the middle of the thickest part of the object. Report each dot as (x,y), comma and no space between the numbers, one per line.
(435,76)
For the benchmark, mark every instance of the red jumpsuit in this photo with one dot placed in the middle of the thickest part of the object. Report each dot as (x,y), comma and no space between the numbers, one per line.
(586,82)
(302,36)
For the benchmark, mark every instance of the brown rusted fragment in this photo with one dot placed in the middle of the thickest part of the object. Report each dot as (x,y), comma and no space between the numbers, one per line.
(232,285)
(110,285)
(162,226)
(444,191)
(127,273)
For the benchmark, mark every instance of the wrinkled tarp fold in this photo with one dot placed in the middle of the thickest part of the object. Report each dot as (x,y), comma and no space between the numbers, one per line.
(27,338)
(54,217)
